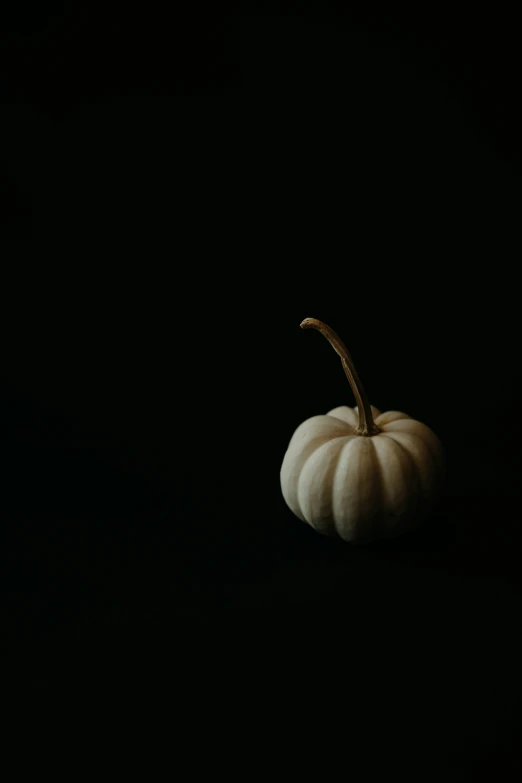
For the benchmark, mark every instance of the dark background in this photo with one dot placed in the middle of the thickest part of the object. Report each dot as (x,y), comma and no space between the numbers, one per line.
(178,193)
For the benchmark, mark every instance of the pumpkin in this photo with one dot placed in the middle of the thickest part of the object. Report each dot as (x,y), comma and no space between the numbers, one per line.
(358,473)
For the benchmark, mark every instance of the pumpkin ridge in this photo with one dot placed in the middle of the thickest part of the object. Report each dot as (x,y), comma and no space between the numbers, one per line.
(335,517)
(427,442)
(408,432)
(379,481)
(354,526)
(332,415)
(411,458)
(427,446)
(318,442)
(327,443)
(402,417)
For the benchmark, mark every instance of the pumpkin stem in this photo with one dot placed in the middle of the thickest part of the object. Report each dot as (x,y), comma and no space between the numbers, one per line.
(367,425)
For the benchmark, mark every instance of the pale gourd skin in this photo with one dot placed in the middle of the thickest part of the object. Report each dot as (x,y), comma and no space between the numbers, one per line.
(362,487)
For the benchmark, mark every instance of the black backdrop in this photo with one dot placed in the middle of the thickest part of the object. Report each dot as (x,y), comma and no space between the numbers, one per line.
(178,194)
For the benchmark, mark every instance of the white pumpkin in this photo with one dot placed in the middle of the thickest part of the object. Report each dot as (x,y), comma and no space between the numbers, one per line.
(358,473)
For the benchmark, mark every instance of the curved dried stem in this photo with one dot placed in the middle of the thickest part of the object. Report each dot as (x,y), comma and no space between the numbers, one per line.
(366,425)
